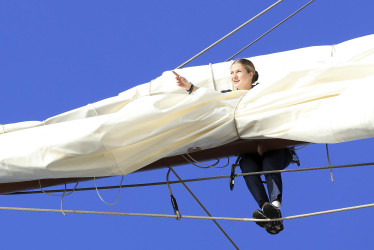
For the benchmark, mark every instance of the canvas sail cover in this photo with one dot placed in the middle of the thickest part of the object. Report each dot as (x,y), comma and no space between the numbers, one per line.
(319,94)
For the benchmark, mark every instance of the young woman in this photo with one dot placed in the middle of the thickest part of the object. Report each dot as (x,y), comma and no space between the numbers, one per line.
(244,77)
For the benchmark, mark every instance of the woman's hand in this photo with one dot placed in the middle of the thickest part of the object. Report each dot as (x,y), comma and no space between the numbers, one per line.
(261,149)
(181,81)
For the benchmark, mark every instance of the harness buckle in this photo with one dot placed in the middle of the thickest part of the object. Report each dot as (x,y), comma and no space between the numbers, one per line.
(232,177)
(295,157)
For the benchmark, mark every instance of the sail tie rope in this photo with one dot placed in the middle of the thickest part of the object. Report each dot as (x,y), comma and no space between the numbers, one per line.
(212,75)
(102,144)
(234,117)
(59,195)
(120,185)
(101,198)
(195,162)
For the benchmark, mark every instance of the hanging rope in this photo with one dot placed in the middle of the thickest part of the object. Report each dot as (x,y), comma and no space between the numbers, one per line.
(229,34)
(119,193)
(203,179)
(267,32)
(308,144)
(328,158)
(59,195)
(195,162)
(202,206)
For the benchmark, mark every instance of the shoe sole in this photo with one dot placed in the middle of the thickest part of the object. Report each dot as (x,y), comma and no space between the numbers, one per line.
(272,231)
(273,213)
(257,214)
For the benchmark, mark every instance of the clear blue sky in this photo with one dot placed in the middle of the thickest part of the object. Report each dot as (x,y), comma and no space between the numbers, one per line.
(59,55)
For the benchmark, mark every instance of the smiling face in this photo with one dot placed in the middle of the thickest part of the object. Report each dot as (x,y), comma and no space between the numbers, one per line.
(240,77)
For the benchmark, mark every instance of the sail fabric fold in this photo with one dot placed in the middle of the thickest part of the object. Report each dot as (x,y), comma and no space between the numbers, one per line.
(320,94)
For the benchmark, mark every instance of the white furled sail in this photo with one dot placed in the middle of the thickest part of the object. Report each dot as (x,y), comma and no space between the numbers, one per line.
(319,94)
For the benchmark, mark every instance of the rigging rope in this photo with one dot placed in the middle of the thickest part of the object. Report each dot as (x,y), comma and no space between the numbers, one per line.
(267,32)
(229,34)
(203,207)
(59,195)
(119,193)
(200,179)
(328,158)
(173,200)
(188,216)
(308,144)
(205,178)
(194,162)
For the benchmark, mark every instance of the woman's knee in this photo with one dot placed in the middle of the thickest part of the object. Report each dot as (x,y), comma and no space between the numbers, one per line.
(247,164)
(274,160)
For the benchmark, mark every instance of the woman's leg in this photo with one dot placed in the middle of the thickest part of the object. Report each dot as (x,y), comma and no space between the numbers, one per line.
(275,160)
(249,163)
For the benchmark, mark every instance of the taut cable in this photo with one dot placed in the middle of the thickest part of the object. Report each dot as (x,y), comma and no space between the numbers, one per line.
(229,34)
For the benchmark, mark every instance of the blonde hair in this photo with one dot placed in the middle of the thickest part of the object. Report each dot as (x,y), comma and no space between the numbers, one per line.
(249,66)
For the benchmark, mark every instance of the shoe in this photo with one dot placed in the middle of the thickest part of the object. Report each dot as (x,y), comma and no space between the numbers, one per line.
(272,230)
(268,225)
(272,212)
(258,214)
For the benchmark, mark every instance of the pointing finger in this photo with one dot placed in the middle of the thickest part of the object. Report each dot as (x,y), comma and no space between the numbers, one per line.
(175,73)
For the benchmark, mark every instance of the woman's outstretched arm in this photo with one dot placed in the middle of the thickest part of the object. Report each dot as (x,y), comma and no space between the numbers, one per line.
(183,83)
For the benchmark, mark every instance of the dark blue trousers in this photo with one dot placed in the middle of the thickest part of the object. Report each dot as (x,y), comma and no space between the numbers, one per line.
(272,160)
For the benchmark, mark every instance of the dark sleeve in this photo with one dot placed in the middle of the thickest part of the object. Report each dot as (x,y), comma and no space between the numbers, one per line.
(225,91)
